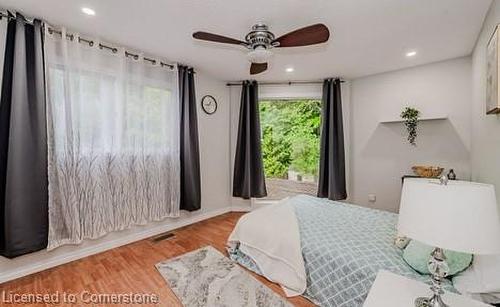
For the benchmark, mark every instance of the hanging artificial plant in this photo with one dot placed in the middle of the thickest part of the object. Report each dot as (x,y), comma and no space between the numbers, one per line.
(410,116)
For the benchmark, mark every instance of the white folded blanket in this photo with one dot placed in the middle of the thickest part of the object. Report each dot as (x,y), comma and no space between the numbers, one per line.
(270,236)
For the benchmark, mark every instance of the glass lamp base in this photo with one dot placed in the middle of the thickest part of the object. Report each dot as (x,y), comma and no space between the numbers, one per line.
(434,301)
(439,270)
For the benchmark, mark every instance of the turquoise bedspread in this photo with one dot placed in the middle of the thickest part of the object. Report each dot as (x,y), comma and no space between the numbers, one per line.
(344,246)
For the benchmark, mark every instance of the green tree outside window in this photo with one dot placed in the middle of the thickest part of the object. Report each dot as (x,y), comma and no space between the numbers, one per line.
(290,136)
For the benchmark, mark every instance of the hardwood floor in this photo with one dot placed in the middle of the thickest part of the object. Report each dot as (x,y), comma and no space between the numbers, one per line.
(130,268)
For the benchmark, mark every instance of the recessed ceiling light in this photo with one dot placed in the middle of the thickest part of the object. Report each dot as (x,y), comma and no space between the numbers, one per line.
(88,11)
(411,54)
(289,69)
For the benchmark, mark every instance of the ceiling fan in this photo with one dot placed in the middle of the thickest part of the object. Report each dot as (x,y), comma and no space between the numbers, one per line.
(260,41)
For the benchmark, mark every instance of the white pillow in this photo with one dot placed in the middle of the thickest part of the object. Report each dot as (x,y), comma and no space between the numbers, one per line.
(482,277)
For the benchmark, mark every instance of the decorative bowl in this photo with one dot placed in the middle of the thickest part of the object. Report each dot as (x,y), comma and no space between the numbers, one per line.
(427,171)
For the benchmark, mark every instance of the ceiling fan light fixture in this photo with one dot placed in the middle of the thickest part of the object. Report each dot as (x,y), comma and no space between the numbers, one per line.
(260,41)
(259,55)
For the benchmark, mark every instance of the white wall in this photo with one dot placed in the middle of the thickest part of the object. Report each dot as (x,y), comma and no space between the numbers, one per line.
(214,158)
(214,133)
(380,154)
(485,128)
(295,91)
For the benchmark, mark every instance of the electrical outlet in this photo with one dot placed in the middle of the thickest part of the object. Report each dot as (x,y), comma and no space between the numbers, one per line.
(372,198)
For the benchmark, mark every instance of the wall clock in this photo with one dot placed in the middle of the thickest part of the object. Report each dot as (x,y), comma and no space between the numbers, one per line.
(209,104)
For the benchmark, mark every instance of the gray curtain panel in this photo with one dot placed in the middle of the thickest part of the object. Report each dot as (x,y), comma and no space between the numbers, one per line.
(23,142)
(190,199)
(332,183)
(249,179)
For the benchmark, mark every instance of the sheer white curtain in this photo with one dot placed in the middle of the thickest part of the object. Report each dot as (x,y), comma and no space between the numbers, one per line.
(113,134)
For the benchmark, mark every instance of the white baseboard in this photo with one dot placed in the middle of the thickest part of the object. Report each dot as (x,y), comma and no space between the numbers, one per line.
(241,209)
(36,262)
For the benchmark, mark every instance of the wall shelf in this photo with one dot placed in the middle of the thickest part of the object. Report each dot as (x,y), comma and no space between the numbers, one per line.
(424,118)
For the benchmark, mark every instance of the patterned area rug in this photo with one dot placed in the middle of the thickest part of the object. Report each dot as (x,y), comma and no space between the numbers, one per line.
(205,277)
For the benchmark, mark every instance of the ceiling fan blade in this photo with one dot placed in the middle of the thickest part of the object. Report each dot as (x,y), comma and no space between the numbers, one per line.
(217,38)
(311,35)
(257,68)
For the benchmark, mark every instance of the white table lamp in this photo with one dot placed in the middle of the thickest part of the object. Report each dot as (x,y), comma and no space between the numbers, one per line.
(456,215)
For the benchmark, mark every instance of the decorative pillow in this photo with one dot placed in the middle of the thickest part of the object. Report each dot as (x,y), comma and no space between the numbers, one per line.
(417,255)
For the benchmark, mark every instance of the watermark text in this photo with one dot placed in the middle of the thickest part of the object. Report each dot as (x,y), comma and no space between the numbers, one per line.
(84,297)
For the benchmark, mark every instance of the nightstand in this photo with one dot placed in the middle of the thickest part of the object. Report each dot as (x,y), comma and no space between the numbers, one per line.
(391,290)
(408,176)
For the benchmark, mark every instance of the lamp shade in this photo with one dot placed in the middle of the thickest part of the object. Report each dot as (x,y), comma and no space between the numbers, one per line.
(460,216)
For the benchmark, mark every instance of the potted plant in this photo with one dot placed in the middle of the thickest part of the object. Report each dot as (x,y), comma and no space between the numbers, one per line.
(410,116)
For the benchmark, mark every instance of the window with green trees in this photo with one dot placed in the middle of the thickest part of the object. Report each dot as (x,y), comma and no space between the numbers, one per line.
(290,137)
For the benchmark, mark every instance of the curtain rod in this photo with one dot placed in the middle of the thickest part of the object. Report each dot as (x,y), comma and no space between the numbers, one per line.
(110,48)
(91,43)
(281,82)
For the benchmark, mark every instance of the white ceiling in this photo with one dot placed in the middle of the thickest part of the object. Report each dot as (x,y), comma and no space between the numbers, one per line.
(367,36)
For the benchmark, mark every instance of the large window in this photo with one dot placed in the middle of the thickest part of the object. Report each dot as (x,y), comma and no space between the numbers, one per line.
(290,146)
(139,112)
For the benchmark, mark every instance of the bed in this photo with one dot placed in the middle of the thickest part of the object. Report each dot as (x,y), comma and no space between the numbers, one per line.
(343,246)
